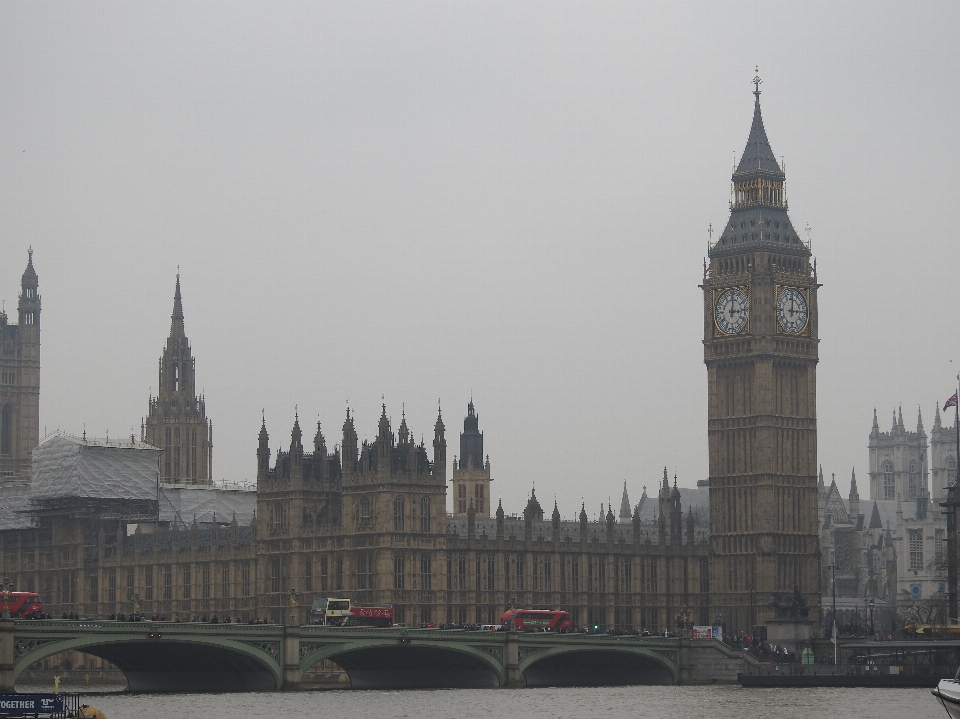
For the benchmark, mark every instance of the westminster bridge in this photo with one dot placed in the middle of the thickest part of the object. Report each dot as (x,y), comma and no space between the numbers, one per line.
(187,656)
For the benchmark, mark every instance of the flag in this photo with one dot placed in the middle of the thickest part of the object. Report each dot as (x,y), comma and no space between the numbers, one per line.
(833,637)
(952,402)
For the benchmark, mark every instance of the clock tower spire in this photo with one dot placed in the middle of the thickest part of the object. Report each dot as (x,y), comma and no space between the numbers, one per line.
(760,349)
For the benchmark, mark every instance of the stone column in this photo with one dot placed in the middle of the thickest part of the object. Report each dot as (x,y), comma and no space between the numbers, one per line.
(511,660)
(291,658)
(7,627)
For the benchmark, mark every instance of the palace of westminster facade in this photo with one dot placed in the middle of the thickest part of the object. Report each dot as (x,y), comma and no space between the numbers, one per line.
(369,519)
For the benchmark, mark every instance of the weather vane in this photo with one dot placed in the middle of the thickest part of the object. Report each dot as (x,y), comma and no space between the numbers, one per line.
(757,81)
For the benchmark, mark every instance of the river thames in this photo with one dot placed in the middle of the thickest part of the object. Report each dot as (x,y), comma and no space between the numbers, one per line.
(654,702)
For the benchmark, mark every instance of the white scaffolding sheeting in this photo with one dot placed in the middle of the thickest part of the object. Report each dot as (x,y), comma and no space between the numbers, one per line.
(205,504)
(15,507)
(65,466)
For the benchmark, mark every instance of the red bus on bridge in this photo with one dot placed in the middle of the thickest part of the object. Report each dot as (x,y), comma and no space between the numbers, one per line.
(537,620)
(23,605)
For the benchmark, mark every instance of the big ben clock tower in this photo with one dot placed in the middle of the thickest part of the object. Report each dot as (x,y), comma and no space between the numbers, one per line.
(760,348)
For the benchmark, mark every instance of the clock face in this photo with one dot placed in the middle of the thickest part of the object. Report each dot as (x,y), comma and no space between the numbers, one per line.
(731,311)
(792,310)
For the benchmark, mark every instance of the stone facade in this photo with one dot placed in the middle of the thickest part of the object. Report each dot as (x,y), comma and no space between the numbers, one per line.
(760,348)
(20,380)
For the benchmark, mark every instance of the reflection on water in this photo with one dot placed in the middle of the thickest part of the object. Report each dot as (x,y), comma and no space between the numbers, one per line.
(687,702)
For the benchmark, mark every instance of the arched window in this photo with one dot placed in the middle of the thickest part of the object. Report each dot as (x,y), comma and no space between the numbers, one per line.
(398,514)
(167,453)
(175,377)
(478,497)
(951,471)
(425,515)
(6,430)
(889,491)
(364,519)
(912,482)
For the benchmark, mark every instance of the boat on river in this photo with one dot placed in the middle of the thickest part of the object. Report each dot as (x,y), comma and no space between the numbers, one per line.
(948,694)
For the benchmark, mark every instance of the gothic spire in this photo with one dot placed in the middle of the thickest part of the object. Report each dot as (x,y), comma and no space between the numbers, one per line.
(919,421)
(625,504)
(853,484)
(758,158)
(176,319)
(876,425)
(875,522)
(936,418)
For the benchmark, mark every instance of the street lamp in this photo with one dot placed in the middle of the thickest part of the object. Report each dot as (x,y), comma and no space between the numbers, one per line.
(7,588)
(294,596)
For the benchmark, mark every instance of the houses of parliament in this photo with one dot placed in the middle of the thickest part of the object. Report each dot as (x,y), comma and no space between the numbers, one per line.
(96,526)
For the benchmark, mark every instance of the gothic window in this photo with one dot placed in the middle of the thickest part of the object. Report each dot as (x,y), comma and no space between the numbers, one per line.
(363,514)
(205,581)
(398,506)
(939,548)
(425,515)
(364,571)
(167,451)
(478,498)
(6,430)
(912,481)
(245,579)
(461,498)
(575,575)
(112,585)
(279,517)
(176,453)
(275,575)
(461,571)
(225,582)
(916,548)
(175,377)
(324,585)
(425,579)
(187,583)
(130,586)
(398,571)
(338,575)
(518,567)
(148,583)
(547,578)
(168,582)
(491,574)
(889,490)
(951,471)
(28,318)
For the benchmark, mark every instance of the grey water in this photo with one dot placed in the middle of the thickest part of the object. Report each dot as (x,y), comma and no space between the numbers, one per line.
(656,702)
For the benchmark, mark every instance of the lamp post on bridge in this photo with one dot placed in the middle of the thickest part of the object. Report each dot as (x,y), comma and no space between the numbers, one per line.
(294,600)
(7,588)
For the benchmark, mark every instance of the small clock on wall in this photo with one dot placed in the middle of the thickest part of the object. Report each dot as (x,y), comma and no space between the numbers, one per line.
(731,311)
(791,310)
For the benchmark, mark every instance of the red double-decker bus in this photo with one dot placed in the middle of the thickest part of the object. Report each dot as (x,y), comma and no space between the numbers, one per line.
(536,620)
(23,605)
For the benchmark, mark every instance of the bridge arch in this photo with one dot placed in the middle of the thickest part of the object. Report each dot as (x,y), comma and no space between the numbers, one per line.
(404,662)
(597,665)
(174,664)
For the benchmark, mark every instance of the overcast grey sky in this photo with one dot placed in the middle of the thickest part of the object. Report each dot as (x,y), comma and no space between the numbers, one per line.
(423,200)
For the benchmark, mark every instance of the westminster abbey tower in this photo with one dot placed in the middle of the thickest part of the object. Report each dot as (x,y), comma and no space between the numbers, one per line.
(760,348)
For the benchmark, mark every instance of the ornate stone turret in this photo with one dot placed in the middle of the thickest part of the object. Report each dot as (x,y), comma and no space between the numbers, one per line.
(471,474)
(20,380)
(177,420)
(854,496)
(625,513)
